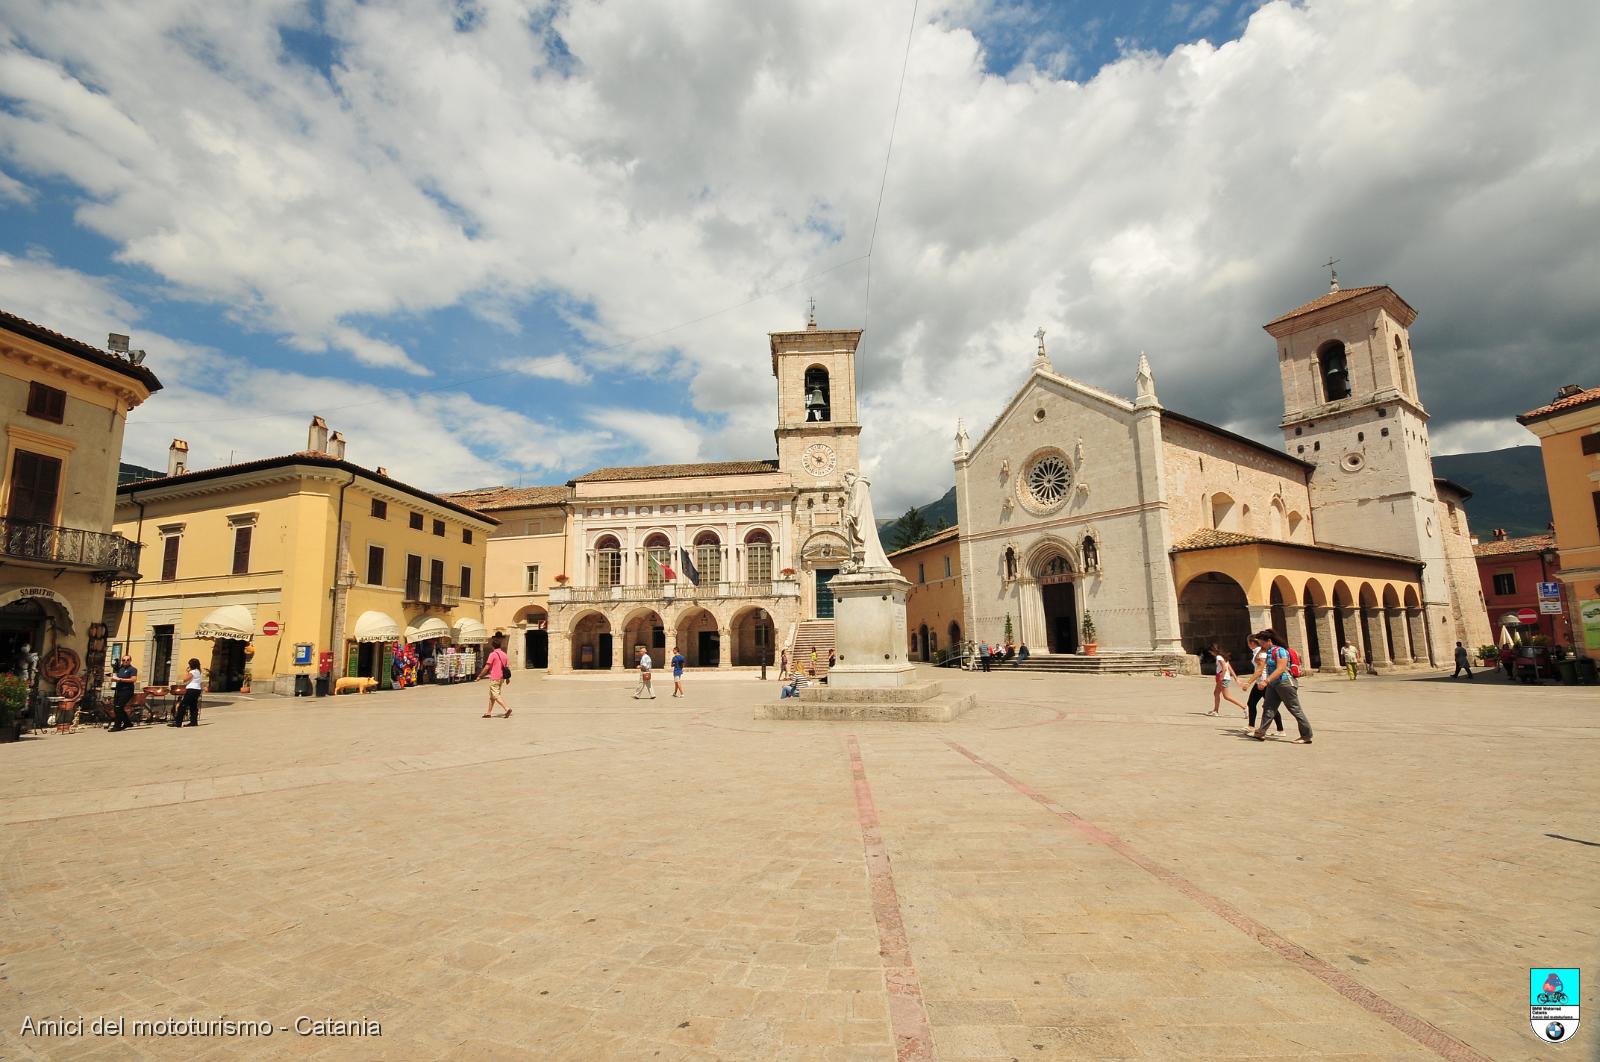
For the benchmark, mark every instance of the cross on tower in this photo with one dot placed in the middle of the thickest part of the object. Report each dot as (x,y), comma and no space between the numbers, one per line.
(811,314)
(1039,335)
(1333,274)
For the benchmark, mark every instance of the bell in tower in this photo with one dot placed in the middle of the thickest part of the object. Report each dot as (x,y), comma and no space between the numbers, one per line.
(817,394)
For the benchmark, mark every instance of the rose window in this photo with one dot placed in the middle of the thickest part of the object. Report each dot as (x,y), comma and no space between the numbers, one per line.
(1049,479)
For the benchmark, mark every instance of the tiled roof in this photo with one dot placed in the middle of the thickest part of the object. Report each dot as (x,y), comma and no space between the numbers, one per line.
(1561,405)
(308,457)
(68,345)
(933,539)
(707,468)
(1522,544)
(1332,298)
(1209,539)
(492,499)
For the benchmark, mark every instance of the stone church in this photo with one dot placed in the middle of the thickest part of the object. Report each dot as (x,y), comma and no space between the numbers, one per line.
(1172,534)
(728,560)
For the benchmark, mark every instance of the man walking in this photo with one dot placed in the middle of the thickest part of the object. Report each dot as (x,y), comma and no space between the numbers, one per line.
(124,675)
(498,669)
(644,691)
(1281,689)
(983,656)
(1350,658)
(1463,662)
(677,671)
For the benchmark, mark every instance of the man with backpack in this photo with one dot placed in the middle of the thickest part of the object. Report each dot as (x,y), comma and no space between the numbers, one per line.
(1281,689)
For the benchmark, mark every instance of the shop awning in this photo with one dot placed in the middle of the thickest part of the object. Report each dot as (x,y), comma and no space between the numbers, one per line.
(426,628)
(53,603)
(229,621)
(470,632)
(376,627)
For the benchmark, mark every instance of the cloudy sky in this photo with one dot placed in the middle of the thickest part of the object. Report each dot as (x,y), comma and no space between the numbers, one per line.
(509,241)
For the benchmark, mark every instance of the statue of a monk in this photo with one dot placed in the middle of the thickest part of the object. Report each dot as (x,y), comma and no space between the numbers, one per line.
(861,525)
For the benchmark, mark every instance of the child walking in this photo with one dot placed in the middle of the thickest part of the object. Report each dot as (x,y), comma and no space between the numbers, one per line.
(1226,677)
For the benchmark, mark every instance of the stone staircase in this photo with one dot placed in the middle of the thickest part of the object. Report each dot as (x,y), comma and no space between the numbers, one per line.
(809,635)
(1105,663)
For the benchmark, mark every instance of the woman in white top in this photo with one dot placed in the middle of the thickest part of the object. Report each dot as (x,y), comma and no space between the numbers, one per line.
(191,697)
(1225,680)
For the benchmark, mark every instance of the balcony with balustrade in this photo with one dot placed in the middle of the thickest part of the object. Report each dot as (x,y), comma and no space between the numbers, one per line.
(105,555)
(672,590)
(425,594)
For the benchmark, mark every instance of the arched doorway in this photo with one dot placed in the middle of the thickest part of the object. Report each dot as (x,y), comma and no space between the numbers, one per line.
(922,643)
(1212,610)
(1059,595)
(955,636)
(591,642)
(643,630)
(752,635)
(698,638)
(1315,604)
(535,636)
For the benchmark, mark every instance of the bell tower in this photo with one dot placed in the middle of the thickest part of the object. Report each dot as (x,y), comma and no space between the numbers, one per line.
(818,431)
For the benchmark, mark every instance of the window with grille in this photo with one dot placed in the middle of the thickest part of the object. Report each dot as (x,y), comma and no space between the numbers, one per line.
(241,549)
(169,558)
(708,557)
(608,562)
(1505,584)
(47,403)
(380,509)
(375,565)
(758,559)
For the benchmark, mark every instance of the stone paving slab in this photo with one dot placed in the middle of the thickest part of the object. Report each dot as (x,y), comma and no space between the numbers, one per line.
(1081,867)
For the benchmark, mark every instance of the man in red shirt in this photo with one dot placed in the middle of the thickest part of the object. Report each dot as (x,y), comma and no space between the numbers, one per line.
(498,670)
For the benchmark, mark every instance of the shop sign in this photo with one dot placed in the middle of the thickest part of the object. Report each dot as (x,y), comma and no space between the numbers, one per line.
(1548,607)
(1589,616)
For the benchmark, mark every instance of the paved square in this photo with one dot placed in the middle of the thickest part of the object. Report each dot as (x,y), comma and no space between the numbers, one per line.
(1081,867)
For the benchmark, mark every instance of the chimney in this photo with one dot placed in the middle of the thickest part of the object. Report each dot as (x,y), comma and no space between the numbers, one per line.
(1499,534)
(336,445)
(177,458)
(1567,391)
(384,472)
(317,437)
(117,343)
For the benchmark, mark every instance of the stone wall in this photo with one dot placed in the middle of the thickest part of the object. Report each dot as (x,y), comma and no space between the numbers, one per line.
(1200,465)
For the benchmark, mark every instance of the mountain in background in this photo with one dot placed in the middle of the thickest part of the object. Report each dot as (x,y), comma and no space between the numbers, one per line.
(127,473)
(1507,488)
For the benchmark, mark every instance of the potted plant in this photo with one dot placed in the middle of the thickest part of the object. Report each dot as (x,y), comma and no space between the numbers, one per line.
(787,573)
(1090,646)
(561,580)
(1488,655)
(13,703)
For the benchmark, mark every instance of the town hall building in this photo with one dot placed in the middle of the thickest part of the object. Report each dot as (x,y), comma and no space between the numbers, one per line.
(729,561)
(1170,534)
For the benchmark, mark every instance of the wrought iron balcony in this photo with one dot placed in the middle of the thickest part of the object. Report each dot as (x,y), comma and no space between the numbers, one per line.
(104,553)
(678,590)
(427,593)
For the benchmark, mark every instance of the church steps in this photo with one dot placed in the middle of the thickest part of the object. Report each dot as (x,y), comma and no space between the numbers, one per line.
(1112,663)
(812,635)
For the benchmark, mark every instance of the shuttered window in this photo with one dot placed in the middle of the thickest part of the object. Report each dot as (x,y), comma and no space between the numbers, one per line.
(375,565)
(466,581)
(47,403)
(241,549)
(169,558)
(35,487)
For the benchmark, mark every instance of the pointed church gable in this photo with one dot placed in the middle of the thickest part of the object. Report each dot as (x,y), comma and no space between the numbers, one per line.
(1052,383)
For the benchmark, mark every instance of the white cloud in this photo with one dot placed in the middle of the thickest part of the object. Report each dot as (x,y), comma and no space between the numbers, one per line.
(1474,436)
(14,190)
(670,439)
(550,367)
(688,157)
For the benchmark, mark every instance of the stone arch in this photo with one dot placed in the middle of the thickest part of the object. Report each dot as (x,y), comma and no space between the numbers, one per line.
(697,632)
(657,557)
(1391,597)
(1039,555)
(708,554)
(818,396)
(1314,593)
(1411,598)
(1319,631)
(922,642)
(607,550)
(753,633)
(955,636)
(643,627)
(1213,610)
(1224,513)
(528,642)
(1050,608)
(1281,595)
(759,555)
(591,631)
(1334,365)
(1277,519)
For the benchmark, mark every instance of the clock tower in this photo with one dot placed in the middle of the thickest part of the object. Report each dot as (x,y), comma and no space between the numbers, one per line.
(818,438)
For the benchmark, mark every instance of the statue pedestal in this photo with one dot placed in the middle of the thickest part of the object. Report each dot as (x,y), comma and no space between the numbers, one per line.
(869,618)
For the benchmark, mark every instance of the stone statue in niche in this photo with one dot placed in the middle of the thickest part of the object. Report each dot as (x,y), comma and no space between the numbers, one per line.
(861,527)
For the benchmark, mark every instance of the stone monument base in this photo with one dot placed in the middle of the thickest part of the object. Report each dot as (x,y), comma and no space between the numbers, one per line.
(926,703)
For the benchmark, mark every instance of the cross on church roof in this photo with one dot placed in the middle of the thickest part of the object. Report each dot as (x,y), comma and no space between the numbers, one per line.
(1333,274)
(811,313)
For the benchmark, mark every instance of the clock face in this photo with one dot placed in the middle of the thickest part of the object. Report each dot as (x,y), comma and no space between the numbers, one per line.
(819,459)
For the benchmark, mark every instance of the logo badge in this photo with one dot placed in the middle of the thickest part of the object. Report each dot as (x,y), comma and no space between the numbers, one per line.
(1553,995)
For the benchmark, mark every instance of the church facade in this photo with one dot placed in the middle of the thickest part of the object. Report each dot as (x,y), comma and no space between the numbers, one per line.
(1170,534)
(723,560)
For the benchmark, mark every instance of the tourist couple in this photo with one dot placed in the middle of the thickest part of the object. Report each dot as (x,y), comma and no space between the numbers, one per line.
(1272,681)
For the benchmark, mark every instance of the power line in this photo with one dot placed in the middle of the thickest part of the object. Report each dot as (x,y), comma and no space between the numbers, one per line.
(866,309)
(459,383)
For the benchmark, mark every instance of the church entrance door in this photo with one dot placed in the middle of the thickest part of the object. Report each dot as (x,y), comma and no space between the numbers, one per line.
(1061,616)
(825,592)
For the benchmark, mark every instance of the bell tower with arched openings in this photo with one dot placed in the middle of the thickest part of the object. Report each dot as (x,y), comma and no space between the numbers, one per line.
(1351,408)
(818,430)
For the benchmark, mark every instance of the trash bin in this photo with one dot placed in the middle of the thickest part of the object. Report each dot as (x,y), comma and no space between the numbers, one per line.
(1568,670)
(302,685)
(322,685)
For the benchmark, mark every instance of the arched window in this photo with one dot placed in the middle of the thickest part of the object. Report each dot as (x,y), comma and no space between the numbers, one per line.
(708,557)
(657,559)
(1335,371)
(818,400)
(1278,519)
(758,557)
(607,561)
(1091,553)
(1222,514)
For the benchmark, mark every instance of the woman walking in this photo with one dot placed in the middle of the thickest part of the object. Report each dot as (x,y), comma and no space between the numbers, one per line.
(1225,680)
(1258,653)
(191,696)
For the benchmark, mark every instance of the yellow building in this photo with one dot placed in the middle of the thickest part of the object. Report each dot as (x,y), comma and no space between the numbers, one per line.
(1569,434)
(934,608)
(526,553)
(242,564)
(65,407)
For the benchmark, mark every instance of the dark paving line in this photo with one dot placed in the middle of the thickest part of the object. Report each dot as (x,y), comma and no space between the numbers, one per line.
(913,1038)
(1430,1036)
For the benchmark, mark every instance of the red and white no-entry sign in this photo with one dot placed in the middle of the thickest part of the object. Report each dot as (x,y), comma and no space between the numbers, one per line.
(271,628)
(1527,616)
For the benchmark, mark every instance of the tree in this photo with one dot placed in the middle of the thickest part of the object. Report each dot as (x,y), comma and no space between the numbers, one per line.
(910,529)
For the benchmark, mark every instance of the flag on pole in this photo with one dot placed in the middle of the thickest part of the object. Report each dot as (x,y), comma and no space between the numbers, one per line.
(689,570)
(659,564)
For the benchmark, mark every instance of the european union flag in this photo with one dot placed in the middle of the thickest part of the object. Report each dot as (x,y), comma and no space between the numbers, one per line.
(690,572)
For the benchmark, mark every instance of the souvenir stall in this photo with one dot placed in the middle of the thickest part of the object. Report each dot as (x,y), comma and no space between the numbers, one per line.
(370,652)
(428,637)
(471,638)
